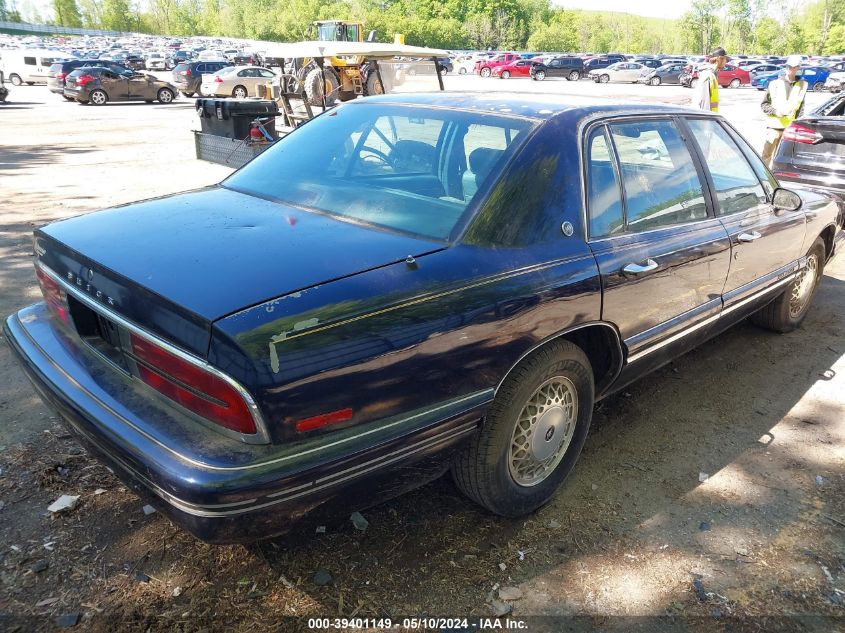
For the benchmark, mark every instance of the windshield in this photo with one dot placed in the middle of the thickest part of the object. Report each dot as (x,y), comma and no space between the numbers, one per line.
(410,169)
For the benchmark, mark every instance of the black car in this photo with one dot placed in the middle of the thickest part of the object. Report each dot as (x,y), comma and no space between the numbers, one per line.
(812,150)
(178,57)
(114,67)
(572,68)
(602,61)
(187,76)
(666,74)
(99,86)
(135,62)
(649,62)
(445,65)
(60,70)
(399,288)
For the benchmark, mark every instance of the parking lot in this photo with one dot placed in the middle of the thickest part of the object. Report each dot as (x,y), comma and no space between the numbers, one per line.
(713,489)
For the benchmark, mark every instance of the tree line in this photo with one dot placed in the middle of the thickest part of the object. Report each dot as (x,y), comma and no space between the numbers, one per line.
(741,26)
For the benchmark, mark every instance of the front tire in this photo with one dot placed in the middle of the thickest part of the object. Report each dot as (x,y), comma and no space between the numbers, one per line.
(818,86)
(533,432)
(540,75)
(165,95)
(789,308)
(315,87)
(462,71)
(655,81)
(604,79)
(735,83)
(15,79)
(485,72)
(506,74)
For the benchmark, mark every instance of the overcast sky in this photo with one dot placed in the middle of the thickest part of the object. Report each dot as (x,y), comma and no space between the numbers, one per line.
(651,8)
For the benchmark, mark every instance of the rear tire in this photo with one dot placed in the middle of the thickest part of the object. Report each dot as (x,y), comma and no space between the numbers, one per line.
(98,97)
(165,95)
(505,74)
(818,86)
(462,71)
(315,88)
(574,76)
(240,92)
(485,72)
(735,83)
(789,308)
(540,75)
(655,81)
(509,467)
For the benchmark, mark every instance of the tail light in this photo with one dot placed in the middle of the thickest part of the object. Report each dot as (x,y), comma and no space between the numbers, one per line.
(801,134)
(218,79)
(187,72)
(54,296)
(196,389)
(61,76)
(84,79)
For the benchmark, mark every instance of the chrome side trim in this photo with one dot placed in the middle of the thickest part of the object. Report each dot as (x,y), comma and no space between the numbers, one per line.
(485,393)
(564,333)
(679,335)
(261,436)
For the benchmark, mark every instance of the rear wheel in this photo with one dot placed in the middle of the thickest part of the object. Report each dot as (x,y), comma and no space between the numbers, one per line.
(316,86)
(15,79)
(574,76)
(532,434)
(735,83)
(485,72)
(240,92)
(655,81)
(789,308)
(462,71)
(604,79)
(818,86)
(506,74)
(98,97)
(373,84)
(540,75)
(165,95)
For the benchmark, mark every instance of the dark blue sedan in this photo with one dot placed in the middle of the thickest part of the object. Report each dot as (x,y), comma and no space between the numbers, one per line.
(408,284)
(815,76)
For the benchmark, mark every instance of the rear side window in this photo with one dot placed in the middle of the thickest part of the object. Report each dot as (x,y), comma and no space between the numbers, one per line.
(660,181)
(29,61)
(737,186)
(604,198)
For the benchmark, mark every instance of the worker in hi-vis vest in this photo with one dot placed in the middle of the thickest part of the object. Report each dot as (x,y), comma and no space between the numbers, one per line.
(707,91)
(784,102)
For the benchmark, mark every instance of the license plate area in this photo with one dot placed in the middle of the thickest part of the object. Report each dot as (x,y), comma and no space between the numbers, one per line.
(99,332)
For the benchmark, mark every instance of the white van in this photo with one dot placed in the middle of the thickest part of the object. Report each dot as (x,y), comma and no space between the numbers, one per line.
(29,65)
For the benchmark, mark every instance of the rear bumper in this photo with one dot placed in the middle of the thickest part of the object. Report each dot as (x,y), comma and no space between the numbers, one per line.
(217,489)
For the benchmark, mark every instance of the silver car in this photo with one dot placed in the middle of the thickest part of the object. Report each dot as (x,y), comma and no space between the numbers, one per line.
(618,72)
(236,81)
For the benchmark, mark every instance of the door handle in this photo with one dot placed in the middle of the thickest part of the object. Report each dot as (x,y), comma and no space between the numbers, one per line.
(638,269)
(749,237)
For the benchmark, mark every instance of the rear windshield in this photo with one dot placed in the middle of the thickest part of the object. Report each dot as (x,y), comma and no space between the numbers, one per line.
(180,67)
(410,169)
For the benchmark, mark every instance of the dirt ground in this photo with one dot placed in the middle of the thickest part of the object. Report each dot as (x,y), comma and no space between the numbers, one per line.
(709,497)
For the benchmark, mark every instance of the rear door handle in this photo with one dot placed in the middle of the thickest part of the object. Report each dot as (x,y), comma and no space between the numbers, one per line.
(638,269)
(749,237)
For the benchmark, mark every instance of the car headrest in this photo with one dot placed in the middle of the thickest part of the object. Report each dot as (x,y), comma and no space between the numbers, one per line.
(413,156)
(482,159)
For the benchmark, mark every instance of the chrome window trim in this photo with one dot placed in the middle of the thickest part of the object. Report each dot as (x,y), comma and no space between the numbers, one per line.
(261,435)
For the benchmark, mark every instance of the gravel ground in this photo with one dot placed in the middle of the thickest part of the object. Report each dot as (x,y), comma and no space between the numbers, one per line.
(635,540)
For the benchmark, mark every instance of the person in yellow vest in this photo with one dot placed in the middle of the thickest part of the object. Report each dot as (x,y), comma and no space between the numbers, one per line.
(783,103)
(706,96)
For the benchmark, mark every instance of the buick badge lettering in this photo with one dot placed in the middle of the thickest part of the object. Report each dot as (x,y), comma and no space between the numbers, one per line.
(87,287)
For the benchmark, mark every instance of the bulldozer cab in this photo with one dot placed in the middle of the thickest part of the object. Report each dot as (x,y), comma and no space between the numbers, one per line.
(339,31)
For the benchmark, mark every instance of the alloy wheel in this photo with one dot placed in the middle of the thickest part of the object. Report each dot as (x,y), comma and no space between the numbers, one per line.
(802,287)
(543,431)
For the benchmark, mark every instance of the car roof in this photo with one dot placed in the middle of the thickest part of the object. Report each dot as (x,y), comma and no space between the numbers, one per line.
(536,106)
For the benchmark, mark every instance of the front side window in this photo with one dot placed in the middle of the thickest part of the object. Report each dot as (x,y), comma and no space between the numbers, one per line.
(409,169)
(737,186)
(660,181)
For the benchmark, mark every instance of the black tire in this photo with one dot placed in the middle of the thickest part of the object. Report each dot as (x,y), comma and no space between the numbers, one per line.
(240,92)
(485,72)
(540,75)
(604,79)
(462,71)
(15,79)
(818,86)
(655,81)
(165,95)
(98,97)
(781,315)
(735,83)
(314,86)
(506,74)
(482,471)
(574,76)
(373,85)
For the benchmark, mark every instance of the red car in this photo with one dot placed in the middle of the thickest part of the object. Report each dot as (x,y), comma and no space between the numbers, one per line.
(484,67)
(518,68)
(729,77)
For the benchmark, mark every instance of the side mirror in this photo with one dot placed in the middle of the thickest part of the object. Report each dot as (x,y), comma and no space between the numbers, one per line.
(786,200)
